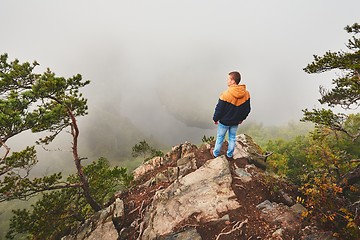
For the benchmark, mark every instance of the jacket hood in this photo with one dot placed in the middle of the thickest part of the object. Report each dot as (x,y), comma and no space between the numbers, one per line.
(236,94)
(237,91)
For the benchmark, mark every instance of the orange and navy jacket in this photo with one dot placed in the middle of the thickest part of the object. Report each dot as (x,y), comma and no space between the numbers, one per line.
(233,106)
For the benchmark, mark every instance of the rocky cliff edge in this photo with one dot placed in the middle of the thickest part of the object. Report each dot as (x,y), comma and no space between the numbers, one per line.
(188,195)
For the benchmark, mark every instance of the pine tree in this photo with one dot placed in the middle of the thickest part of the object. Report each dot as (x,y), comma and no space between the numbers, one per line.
(345,93)
(41,103)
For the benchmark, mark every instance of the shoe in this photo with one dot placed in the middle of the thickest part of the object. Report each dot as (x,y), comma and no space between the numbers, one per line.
(212,152)
(229,158)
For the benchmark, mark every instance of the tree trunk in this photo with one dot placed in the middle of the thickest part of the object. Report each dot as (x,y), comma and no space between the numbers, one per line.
(84,182)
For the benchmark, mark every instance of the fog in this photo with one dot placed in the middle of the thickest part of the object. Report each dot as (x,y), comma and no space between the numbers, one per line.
(159,66)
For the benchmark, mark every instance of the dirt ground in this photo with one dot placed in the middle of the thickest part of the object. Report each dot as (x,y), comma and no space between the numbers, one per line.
(252,224)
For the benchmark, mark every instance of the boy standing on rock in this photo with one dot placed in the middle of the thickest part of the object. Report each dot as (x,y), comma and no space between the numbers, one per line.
(232,108)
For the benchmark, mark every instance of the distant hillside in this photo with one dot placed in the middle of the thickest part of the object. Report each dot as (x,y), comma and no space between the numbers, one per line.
(111,135)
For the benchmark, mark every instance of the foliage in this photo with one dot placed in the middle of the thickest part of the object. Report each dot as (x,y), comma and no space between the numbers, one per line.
(317,162)
(145,150)
(289,157)
(326,205)
(325,162)
(101,178)
(262,134)
(330,158)
(57,212)
(346,90)
(208,139)
(333,152)
(40,103)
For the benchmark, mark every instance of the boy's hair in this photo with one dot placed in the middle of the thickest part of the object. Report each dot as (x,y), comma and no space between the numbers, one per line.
(235,76)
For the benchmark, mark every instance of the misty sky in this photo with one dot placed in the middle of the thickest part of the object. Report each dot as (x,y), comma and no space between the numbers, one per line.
(162,64)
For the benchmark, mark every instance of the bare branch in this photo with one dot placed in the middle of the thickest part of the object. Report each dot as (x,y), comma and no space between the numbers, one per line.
(353,137)
(237,226)
(354,160)
(31,193)
(6,147)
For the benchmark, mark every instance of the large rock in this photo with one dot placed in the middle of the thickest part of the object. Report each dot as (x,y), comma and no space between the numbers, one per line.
(245,147)
(280,215)
(185,151)
(101,225)
(205,193)
(148,167)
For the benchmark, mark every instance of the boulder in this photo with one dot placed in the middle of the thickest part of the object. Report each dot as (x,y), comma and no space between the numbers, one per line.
(204,193)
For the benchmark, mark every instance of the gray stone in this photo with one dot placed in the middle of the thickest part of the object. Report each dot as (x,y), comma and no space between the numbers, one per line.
(281,215)
(298,208)
(265,205)
(183,161)
(288,200)
(205,193)
(243,175)
(245,147)
(160,177)
(189,234)
(320,236)
(147,167)
(104,231)
(119,208)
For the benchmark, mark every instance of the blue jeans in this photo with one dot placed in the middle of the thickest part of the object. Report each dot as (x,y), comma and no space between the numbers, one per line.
(221,131)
